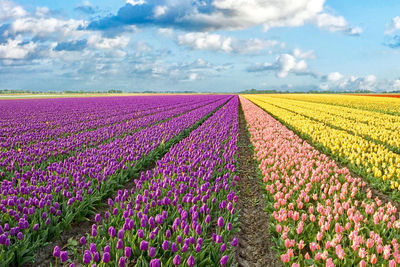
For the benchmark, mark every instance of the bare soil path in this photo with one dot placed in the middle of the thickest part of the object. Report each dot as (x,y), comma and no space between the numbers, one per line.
(255,242)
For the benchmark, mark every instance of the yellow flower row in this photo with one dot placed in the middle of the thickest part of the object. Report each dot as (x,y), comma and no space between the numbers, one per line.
(361,154)
(387,121)
(383,104)
(381,127)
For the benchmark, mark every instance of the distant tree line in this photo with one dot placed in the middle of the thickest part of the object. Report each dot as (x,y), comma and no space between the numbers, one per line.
(8,91)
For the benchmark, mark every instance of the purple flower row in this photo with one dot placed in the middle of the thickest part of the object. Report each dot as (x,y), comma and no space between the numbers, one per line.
(34,154)
(180,213)
(40,199)
(107,112)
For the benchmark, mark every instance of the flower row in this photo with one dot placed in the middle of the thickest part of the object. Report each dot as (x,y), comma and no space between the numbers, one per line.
(371,160)
(180,213)
(40,203)
(321,214)
(24,157)
(380,104)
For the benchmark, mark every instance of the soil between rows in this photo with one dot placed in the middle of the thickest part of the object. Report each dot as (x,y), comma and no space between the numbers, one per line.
(255,242)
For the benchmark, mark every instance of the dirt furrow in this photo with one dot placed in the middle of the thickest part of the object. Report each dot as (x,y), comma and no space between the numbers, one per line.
(255,242)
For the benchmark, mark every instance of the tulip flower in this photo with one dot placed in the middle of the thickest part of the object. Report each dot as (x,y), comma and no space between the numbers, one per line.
(224,260)
(121,262)
(190,261)
(106,257)
(56,251)
(155,263)
(87,257)
(144,245)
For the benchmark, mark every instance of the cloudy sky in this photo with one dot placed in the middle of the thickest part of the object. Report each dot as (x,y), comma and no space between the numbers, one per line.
(200,45)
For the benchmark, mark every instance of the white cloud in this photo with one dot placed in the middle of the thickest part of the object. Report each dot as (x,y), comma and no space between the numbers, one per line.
(9,10)
(334,77)
(99,42)
(46,27)
(206,41)
(160,10)
(303,55)
(240,14)
(216,42)
(166,32)
(193,76)
(335,24)
(336,80)
(15,49)
(287,63)
(393,26)
(135,2)
(396,84)
(42,11)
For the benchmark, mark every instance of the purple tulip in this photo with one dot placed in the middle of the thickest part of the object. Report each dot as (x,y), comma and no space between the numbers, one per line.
(92,247)
(36,227)
(224,260)
(87,257)
(152,252)
(97,218)
(20,236)
(106,257)
(198,248)
(177,260)
(222,248)
(107,248)
(144,245)
(234,242)
(140,233)
(64,256)
(96,256)
(121,234)
(152,235)
(56,251)
(121,262)
(174,248)
(220,222)
(120,244)
(128,252)
(190,261)
(198,229)
(168,234)
(155,263)
(82,240)
(111,231)
(165,245)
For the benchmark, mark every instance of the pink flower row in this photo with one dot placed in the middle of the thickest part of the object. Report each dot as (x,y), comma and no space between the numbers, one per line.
(321,214)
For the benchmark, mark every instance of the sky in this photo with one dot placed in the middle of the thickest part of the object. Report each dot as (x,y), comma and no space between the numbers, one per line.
(200,45)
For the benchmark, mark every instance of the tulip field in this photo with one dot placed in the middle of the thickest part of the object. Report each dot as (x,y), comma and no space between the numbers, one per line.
(155,180)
